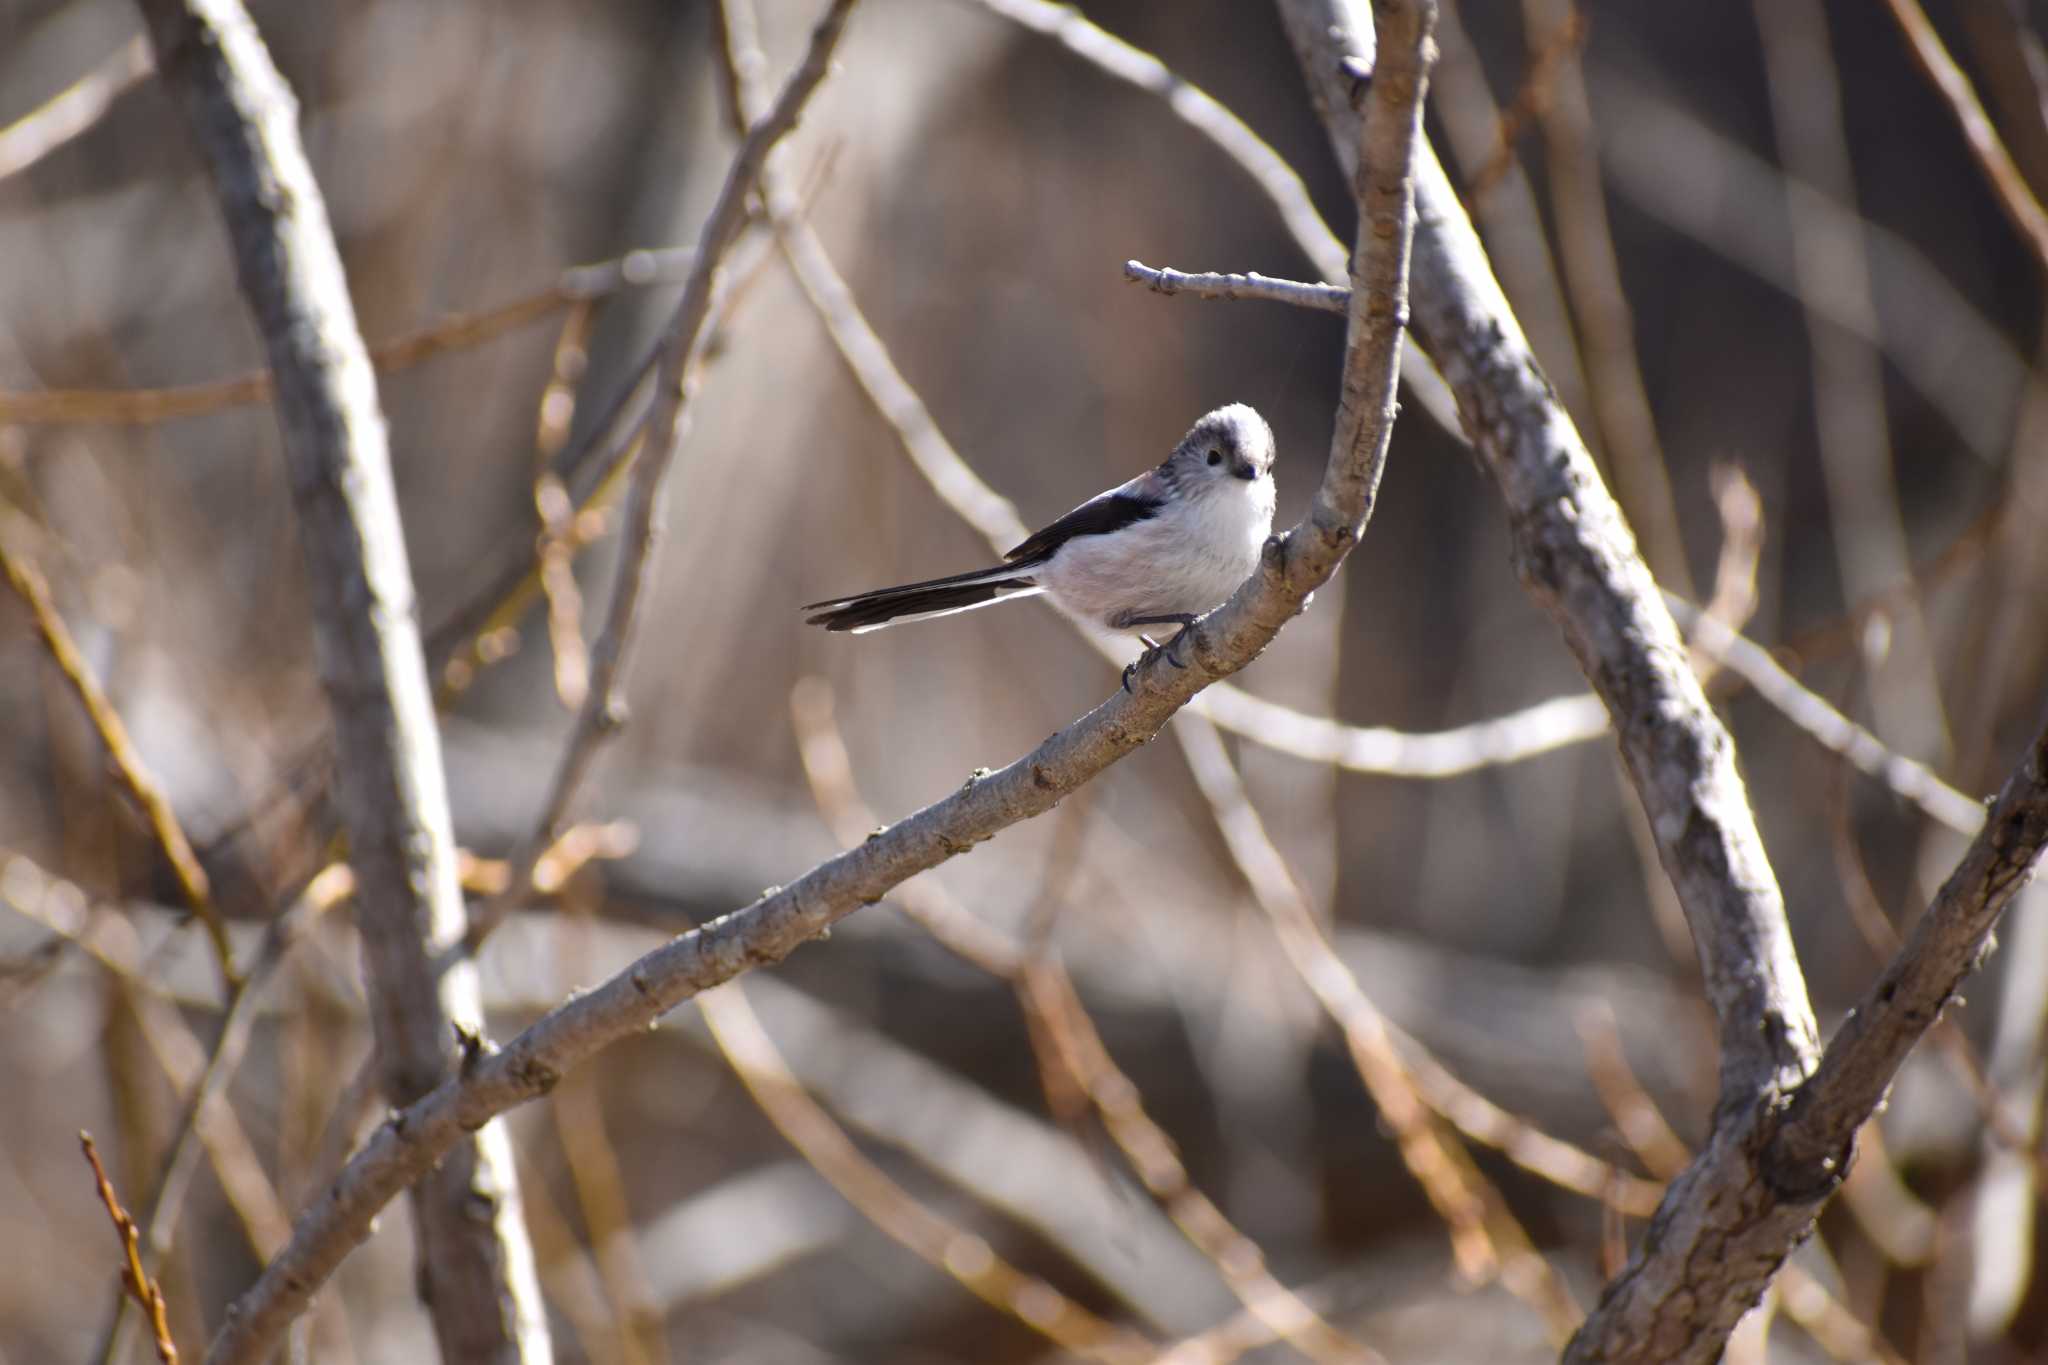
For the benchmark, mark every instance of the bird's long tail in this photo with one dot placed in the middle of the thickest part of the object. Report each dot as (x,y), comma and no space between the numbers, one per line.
(920,601)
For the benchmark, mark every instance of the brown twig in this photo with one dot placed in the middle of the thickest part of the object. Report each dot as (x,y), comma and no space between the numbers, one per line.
(1591,275)
(1532,99)
(129,767)
(207,1118)
(461,331)
(560,534)
(1485,1235)
(940,1243)
(1851,427)
(134,1278)
(1076,1061)
(662,431)
(1986,147)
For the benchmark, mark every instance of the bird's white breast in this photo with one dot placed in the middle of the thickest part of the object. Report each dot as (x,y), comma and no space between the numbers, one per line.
(1182,562)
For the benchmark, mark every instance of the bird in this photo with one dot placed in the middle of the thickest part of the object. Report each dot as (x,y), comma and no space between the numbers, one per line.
(1160,550)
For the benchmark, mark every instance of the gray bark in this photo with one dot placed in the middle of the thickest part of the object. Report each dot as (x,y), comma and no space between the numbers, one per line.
(476,1268)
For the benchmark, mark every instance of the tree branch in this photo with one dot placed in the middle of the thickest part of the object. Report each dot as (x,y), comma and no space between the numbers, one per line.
(1781,1141)
(660,433)
(1323,298)
(1576,556)
(1294,565)
(477,1271)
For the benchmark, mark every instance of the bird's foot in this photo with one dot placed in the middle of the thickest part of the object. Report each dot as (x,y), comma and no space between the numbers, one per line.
(1153,649)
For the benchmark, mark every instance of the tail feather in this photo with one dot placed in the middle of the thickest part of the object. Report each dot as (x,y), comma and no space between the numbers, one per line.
(916,601)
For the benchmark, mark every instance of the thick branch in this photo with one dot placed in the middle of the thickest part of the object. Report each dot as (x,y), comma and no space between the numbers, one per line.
(1576,555)
(1781,1140)
(771,928)
(477,1271)
(1946,945)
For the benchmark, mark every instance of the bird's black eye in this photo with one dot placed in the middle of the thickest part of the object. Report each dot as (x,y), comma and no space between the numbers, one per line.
(1215,458)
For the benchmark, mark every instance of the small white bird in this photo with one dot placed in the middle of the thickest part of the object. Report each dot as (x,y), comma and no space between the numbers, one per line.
(1160,550)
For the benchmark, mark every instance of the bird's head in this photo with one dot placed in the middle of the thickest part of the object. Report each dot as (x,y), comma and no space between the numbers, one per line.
(1231,443)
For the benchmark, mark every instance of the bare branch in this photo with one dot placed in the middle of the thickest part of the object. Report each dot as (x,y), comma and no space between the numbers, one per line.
(140,1286)
(1485,1236)
(1809,1149)
(1376,750)
(1210,117)
(1295,564)
(580,284)
(1513,738)
(476,1267)
(1324,298)
(1576,555)
(1753,1193)
(1828,727)
(75,109)
(662,434)
(1073,1046)
(129,767)
(939,1242)
(1985,145)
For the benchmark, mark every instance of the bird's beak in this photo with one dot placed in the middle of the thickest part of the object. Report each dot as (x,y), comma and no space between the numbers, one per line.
(1246,470)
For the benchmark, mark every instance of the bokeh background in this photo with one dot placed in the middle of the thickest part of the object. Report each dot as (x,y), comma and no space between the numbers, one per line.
(1740,240)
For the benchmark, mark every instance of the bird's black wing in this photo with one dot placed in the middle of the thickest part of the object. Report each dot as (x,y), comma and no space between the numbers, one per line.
(1099,516)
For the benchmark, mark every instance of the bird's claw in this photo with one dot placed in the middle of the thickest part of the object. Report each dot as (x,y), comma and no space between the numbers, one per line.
(1153,649)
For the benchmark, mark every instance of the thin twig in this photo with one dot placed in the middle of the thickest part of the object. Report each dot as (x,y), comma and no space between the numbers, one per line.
(1078,1061)
(1210,117)
(1978,131)
(603,710)
(943,1245)
(1827,726)
(75,109)
(561,534)
(137,1281)
(200,1127)
(129,766)
(1852,431)
(1532,100)
(1323,298)
(1625,426)
(1485,1235)
(581,284)
(1379,751)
